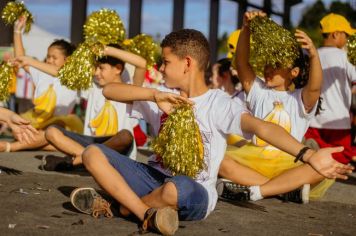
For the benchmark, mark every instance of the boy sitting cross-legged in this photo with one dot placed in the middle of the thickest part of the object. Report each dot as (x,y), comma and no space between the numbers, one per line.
(150,192)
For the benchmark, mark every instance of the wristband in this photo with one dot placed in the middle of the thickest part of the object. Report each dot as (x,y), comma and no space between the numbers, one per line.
(300,155)
(17,31)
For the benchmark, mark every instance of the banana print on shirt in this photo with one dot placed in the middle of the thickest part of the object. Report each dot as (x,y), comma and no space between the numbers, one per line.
(279,117)
(45,105)
(106,123)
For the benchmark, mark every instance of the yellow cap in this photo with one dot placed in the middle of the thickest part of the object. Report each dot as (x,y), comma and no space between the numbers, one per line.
(334,22)
(232,43)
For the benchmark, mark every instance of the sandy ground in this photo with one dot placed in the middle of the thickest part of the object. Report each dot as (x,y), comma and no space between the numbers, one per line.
(35,202)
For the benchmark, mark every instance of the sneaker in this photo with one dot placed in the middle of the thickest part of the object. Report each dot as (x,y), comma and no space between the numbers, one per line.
(88,201)
(56,163)
(300,195)
(231,191)
(162,220)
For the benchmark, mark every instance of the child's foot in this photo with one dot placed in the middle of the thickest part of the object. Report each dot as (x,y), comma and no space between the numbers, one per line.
(163,220)
(56,163)
(300,195)
(88,201)
(5,147)
(230,191)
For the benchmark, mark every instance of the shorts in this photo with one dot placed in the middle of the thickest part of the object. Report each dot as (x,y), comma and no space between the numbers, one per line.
(143,179)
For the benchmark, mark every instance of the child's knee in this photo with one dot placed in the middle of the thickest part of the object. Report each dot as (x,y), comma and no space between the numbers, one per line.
(89,154)
(169,193)
(52,133)
(126,136)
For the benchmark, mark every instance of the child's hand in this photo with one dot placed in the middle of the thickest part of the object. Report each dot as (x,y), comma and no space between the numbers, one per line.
(249,15)
(323,162)
(306,42)
(20,24)
(21,129)
(167,101)
(23,61)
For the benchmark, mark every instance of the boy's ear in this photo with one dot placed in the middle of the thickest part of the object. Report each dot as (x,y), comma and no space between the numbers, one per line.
(188,63)
(119,67)
(295,72)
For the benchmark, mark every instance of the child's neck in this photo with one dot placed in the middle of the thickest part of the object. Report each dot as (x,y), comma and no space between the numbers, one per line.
(196,85)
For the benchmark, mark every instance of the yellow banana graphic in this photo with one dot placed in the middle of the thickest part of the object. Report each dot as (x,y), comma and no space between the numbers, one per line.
(105,123)
(45,104)
(277,116)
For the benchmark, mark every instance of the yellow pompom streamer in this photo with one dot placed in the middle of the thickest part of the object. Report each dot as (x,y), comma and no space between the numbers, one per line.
(179,143)
(271,44)
(78,70)
(144,46)
(13,11)
(351,49)
(6,74)
(104,26)
(101,28)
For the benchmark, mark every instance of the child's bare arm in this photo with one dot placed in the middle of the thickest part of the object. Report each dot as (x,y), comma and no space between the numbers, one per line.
(25,61)
(131,58)
(246,74)
(322,160)
(19,49)
(129,93)
(311,91)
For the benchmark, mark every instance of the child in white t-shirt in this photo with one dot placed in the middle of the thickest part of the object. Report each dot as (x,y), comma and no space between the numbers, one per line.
(106,122)
(333,126)
(150,192)
(53,102)
(274,101)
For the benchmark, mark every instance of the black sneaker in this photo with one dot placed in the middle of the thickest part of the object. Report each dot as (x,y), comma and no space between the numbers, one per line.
(300,195)
(231,191)
(162,220)
(88,201)
(56,163)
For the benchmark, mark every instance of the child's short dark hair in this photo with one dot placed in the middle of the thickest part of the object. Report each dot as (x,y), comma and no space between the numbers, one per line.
(113,61)
(189,42)
(66,47)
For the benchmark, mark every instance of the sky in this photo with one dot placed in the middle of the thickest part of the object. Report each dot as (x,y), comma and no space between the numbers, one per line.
(55,15)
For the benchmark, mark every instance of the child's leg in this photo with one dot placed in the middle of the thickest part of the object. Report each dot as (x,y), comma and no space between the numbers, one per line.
(38,142)
(290,180)
(121,141)
(112,181)
(237,173)
(58,138)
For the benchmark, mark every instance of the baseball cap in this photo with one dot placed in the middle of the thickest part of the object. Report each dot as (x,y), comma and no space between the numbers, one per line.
(232,43)
(335,22)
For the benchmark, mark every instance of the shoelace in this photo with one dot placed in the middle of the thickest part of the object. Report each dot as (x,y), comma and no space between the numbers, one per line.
(148,215)
(101,207)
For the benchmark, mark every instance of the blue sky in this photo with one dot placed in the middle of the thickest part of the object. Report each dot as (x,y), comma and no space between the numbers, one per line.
(54,15)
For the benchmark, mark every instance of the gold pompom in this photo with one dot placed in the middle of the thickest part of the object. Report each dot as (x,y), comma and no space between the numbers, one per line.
(179,143)
(351,49)
(271,44)
(6,74)
(78,71)
(104,26)
(13,11)
(142,45)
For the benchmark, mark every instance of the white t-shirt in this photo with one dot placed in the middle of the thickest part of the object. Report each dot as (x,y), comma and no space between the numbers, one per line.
(95,102)
(260,101)
(338,74)
(66,98)
(217,115)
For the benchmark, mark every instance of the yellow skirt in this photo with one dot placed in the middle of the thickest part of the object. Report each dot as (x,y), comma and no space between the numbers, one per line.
(271,163)
(69,122)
